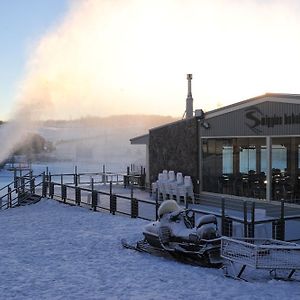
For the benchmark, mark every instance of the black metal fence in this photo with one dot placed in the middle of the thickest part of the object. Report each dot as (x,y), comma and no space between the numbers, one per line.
(79,189)
(22,188)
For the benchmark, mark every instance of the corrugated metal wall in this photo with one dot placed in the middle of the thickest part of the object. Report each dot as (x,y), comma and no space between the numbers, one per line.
(267,118)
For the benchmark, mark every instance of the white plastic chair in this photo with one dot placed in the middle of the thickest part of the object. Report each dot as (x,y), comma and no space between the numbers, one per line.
(186,189)
(154,187)
(162,181)
(189,187)
(169,184)
(177,185)
(155,184)
(165,175)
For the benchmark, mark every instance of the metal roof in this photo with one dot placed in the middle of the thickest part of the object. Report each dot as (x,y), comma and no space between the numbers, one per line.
(275,97)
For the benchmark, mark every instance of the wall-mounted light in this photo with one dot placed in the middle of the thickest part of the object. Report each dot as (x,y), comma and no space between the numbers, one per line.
(199,114)
(205,125)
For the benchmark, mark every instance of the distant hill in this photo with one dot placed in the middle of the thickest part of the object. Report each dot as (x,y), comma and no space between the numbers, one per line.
(90,139)
(100,139)
(145,121)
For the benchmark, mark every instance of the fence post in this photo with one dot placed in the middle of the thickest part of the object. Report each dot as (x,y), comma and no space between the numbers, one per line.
(245,219)
(32,185)
(282,220)
(134,204)
(227,226)
(112,200)
(134,208)
(278,230)
(113,204)
(156,204)
(49,180)
(131,191)
(15,179)
(253,220)
(30,175)
(92,183)
(103,175)
(64,193)
(223,215)
(75,177)
(77,196)
(226,221)
(23,184)
(251,225)
(143,181)
(51,190)
(278,226)
(19,198)
(94,200)
(126,178)
(9,204)
(44,186)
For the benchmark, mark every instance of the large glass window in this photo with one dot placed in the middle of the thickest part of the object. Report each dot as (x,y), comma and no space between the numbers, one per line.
(227,159)
(233,166)
(285,169)
(238,166)
(279,157)
(247,159)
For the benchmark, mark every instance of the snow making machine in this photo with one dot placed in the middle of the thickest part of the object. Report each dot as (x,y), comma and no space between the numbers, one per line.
(278,257)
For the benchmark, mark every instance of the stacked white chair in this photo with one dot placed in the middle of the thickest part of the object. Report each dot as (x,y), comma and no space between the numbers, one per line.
(162,184)
(185,190)
(154,186)
(179,186)
(189,187)
(167,185)
(170,184)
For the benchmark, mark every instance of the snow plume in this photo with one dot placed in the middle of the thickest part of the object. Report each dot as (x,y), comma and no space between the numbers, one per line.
(131,56)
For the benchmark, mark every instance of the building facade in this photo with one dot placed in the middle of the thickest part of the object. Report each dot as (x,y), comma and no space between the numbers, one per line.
(248,149)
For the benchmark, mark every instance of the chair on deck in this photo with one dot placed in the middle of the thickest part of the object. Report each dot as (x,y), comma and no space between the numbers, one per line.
(185,190)
(170,184)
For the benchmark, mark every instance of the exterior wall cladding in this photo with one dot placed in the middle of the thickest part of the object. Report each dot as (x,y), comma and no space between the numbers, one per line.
(174,147)
(248,121)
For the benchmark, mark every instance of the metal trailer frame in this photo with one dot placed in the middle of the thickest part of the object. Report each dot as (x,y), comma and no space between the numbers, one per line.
(268,254)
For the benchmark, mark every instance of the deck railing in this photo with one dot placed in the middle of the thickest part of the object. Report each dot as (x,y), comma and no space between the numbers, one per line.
(80,189)
(21,189)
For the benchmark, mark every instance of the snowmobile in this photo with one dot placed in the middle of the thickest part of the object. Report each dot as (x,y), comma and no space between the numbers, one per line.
(174,234)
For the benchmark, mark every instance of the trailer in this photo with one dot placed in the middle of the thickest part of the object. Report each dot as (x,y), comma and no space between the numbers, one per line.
(266,254)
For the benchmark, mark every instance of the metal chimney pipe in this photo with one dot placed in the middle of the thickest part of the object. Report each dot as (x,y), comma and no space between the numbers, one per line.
(189,99)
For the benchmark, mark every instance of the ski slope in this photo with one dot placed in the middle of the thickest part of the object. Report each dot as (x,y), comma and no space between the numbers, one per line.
(53,251)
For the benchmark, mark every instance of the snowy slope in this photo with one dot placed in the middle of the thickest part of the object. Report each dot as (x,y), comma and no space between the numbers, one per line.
(53,251)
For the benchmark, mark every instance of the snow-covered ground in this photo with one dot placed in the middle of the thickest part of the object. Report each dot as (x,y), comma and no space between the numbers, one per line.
(53,251)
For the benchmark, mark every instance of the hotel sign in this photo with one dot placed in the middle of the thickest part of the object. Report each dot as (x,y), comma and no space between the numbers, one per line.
(256,119)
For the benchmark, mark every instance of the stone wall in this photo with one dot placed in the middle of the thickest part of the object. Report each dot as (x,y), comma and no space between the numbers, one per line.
(174,147)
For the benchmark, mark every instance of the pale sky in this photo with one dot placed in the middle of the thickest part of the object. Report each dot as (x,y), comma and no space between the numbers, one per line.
(104,57)
(22,23)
